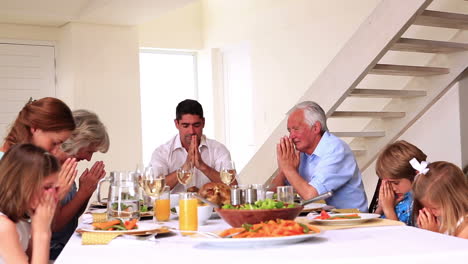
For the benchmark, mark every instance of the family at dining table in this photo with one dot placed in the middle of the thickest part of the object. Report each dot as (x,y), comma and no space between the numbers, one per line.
(40,202)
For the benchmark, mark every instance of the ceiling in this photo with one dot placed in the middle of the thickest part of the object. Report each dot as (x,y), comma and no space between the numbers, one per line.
(60,12)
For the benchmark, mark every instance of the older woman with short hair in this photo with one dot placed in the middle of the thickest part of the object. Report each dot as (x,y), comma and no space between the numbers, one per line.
(89,136)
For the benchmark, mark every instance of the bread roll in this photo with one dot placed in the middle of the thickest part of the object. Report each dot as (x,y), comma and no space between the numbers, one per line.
(218,193)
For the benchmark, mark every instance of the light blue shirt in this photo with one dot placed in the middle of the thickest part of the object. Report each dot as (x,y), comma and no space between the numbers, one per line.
(1,155)
(332,167)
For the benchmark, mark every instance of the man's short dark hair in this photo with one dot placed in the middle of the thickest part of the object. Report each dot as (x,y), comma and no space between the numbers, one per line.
(189,106)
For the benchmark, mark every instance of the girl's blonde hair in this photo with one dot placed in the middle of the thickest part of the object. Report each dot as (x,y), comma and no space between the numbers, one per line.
(22,171)
(446,186)
(393,162)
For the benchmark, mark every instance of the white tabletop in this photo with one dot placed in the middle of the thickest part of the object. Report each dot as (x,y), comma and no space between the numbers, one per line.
(389,244)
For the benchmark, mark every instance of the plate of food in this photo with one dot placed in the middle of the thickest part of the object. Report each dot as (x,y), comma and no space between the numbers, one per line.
(263,234)
(343,219)
(132,227)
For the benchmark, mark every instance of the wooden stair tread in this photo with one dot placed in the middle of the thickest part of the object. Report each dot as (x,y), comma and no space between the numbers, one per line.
(428,46)
(360,134)
(359,152)
(442,19)
(405,70)
(369,114)
(383,93)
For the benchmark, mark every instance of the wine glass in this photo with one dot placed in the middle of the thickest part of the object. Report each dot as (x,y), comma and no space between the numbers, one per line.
(154,181)
(228,172)
(139,175)
(185,175)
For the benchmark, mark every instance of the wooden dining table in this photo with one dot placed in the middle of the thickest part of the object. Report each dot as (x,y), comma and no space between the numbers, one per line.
(383,244)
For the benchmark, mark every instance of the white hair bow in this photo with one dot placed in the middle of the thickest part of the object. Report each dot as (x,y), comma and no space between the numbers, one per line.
(421,167)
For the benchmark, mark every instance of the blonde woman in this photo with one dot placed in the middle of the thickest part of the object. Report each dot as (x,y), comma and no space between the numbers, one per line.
(89,137)
(441,200)
(28,180)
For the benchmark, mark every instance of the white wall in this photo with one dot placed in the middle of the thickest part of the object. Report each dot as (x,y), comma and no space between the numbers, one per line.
(99,70)
(28,32)
(291,43)
(178,29)
(436,133)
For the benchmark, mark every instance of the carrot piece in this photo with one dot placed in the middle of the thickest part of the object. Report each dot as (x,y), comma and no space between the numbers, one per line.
(106,225)
(129,225)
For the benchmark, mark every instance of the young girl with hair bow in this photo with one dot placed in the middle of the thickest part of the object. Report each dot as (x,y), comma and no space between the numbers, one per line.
(441,200)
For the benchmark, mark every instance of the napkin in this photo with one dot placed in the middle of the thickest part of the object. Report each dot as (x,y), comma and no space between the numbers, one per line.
(96,238)
(90,218)
(91,238)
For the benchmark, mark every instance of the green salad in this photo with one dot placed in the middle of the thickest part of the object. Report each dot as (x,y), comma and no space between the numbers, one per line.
(261,204)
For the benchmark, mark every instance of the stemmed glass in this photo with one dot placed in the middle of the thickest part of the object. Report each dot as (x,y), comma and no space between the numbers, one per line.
(228,172)
(185,175)
(154,181)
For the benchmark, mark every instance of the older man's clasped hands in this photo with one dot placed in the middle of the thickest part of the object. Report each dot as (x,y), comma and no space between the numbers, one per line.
(287,156)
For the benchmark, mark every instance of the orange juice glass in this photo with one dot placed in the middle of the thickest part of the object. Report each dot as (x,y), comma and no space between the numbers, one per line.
(162,210)
(188,212)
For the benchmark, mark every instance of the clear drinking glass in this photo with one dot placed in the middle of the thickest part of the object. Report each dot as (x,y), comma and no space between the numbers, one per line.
(185,175)
(285,194)
(228,172)
(154,181)
(261,193)
(188,212)
(162,210)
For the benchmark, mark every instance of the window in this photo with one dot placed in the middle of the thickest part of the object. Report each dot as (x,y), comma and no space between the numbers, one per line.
(166,78)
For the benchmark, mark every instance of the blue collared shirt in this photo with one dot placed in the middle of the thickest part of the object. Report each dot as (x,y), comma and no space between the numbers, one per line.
(332,167)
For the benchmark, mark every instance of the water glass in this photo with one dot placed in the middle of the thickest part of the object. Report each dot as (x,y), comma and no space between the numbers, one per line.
(188,212)
(261,193)
(162,210)
(285,194)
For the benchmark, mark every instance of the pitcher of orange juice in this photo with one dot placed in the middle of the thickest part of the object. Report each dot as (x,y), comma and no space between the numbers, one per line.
(188,212)
(162,204)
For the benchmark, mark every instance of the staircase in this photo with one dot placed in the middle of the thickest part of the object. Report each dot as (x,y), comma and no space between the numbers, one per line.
(367,59)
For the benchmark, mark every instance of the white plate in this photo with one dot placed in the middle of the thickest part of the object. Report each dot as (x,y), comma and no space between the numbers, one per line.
(364,218)
(142,228)
(255,241)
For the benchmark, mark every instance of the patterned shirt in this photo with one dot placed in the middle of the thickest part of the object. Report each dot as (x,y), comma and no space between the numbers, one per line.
(404,209)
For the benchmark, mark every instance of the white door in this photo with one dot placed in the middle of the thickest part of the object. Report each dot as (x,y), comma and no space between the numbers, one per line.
(25,71)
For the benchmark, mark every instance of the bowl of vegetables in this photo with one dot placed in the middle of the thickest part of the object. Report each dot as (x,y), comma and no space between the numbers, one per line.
(260,211)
